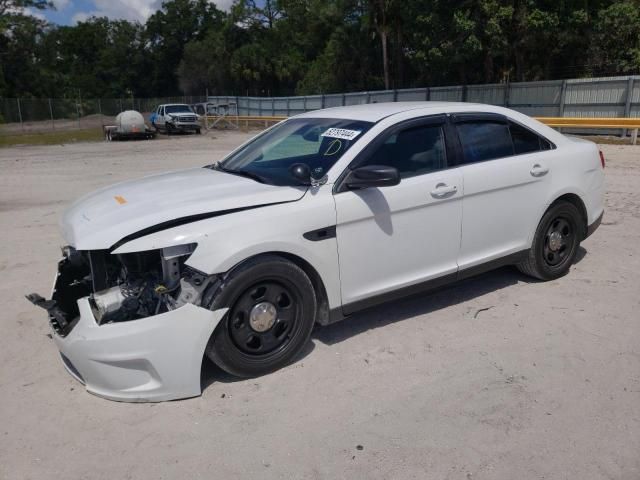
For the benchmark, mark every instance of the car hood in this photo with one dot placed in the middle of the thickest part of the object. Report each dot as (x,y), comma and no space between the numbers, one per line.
(102,218)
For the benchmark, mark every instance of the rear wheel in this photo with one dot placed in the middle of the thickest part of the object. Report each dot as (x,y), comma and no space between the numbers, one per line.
(272,308)
(555,243)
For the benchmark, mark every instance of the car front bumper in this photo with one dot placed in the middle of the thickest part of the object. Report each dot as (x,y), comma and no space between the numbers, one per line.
(152,359)
(186,125)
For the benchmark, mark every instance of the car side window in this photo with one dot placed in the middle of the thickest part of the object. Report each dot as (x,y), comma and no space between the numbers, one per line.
(484,140)
(526,141)
(413,151)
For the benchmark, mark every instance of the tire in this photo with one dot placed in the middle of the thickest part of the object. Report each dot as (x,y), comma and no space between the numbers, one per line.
(108,136)
(555,243)
(253,338)
(198,132)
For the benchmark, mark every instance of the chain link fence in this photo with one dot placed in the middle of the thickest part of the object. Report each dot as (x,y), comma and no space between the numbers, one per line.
(594,97)
(37,115)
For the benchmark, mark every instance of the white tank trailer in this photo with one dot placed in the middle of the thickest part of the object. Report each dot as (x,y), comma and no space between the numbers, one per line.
(129,124)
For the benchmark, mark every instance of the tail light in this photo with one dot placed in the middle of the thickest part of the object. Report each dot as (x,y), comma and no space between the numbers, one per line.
(602,159)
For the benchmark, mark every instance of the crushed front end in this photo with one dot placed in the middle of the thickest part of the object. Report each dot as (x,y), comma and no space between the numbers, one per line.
(132,327)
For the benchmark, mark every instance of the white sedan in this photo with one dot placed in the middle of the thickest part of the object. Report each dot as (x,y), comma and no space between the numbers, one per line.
(325,214)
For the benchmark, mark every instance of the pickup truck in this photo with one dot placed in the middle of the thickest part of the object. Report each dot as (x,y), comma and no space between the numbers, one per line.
(175,117)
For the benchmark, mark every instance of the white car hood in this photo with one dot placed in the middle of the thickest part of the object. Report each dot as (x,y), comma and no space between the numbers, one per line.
(102,218)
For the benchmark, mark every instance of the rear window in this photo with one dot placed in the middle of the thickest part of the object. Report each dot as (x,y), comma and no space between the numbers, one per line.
(485,140)
(526,141)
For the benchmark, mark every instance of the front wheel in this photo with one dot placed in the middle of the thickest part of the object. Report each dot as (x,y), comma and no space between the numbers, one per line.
(555,244)
(272,309)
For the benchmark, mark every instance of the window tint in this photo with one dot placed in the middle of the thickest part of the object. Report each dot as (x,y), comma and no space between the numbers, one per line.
(525,141)
(414,151)
(485,141)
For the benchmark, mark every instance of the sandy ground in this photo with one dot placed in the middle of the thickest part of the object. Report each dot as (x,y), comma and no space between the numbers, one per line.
(497,378)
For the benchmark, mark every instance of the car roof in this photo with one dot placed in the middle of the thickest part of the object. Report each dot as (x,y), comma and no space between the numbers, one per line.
(374,112)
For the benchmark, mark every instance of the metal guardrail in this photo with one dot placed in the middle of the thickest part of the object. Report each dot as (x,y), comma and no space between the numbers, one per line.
(632,124)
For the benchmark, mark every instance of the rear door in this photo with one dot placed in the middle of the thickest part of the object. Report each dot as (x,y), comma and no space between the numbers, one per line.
(506,174)
(392,239)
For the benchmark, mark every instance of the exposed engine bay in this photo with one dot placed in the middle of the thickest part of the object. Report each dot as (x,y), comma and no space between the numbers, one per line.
(122,287)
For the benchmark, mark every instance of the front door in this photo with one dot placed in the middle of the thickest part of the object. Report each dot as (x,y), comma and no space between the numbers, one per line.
(393,239)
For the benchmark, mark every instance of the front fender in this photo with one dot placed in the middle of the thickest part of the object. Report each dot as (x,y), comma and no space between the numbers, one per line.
(226,241)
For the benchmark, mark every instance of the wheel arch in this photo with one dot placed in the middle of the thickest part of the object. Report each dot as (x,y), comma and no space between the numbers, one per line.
(570,196)
(575,200)
(322,314)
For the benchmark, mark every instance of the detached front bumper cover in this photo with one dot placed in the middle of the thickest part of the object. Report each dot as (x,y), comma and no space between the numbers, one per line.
(146,360)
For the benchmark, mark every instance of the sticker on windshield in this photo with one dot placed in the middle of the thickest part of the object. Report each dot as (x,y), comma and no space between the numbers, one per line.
(341,133)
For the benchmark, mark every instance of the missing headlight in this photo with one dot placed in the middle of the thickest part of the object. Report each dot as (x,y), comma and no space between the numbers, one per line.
(144,284)
(122,287)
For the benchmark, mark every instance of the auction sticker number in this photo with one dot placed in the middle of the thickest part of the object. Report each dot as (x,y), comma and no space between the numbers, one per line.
(341,133)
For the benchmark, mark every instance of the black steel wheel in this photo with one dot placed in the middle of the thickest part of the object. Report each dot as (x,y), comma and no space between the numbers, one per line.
(555,243)
(558,241)
(264,316)
(272,308)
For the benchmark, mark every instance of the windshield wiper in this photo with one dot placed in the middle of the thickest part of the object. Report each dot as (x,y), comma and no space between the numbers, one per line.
(241,173)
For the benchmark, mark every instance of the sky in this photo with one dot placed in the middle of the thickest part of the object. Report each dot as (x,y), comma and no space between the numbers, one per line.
(70,12)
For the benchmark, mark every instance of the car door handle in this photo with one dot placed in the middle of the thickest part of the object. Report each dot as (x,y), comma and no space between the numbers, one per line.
(538,171)
(443,190)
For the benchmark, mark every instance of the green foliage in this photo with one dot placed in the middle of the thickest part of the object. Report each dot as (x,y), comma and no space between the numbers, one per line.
(617,37)
(282,47)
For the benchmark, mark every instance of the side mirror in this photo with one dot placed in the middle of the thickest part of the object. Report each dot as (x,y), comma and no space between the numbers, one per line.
(301,172)
(373,176)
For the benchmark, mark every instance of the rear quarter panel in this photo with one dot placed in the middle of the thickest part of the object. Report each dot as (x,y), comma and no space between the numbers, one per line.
(576,169)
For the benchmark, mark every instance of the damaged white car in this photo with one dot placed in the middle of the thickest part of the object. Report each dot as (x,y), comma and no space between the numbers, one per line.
(323,215)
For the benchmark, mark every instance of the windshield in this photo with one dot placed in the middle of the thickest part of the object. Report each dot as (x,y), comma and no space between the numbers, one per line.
(178,109)
(317,142)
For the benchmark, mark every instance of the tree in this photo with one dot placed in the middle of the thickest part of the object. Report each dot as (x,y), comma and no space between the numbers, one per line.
(20,35)
(386,17)
(15,8)
(282,47)
(168,31)
(616,40)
